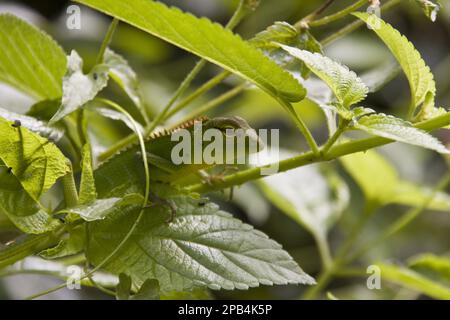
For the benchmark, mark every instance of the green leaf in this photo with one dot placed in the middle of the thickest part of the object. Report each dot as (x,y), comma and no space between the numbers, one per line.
(121,72)
(377,185)
(24,212)
(284,33)
(88,192)
(413,280)
(431,264)
(35,161)
(201,247)
(36,126)
(345,84)
(409,194)
(30,60)
(74,244)
(399,130)
(419,76)
(383,185)
(114,115)
(206,39)
(430,8)
(314,198)
(79,88)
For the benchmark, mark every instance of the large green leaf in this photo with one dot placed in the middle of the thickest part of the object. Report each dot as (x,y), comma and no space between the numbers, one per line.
(202,246)
(29,59)
(415,281)
(345,84)
(417,72)
(35,161)
(399,130)
(79,88)
(206,39)
(24,212)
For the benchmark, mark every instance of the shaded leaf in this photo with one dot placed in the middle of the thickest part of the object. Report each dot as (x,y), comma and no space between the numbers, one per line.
(73,244)
(23,211)
(30,60)
(206,39)
(201,247)
(148,291)
(123,288)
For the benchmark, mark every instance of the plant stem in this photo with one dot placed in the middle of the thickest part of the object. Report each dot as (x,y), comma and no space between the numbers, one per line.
(340,130)
(301,126)
(324,251)
(310,17)
(107,40)
(215,102)
(355,25)
(338,15)
(309,157)
(197,93)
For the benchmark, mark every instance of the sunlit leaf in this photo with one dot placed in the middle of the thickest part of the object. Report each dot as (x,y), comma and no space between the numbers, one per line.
(30,60)
(206,39)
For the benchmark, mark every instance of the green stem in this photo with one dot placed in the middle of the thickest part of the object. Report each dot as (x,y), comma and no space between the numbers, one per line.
(309,157)
(338,15)
(340,130)
(215,102)
(107,40)
(301,126)
(355,25)
(324,251)
(305,22)
(197,93)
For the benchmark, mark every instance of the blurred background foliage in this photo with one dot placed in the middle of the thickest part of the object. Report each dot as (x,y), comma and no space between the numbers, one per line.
(321,192)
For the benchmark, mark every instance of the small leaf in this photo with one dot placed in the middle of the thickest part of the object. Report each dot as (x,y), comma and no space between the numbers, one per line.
(24,212)
(30,60)
(206,39)
(415,281)
(35,161)
(36,126)
(201,247)
(121,72)
(399,130)
(114,115)
(419,76)
(345,84)
(88,192)
(79,88)
(430,8)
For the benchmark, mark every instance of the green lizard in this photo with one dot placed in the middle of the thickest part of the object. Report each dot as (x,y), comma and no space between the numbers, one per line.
(123,173)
